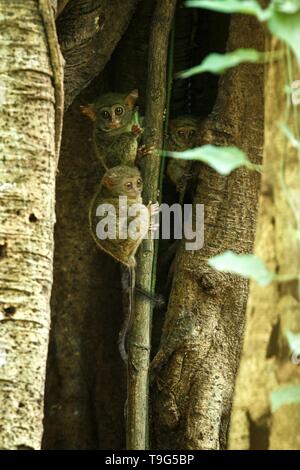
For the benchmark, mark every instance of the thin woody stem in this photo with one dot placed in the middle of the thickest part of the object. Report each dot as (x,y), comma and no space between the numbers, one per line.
(139,343)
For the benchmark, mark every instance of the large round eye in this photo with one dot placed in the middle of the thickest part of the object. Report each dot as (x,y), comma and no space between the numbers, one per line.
(139,182)
(192,133)
(105,114)
(180,133)
(128,185)
(119,110)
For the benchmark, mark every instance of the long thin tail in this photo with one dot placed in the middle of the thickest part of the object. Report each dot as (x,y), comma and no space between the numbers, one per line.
(128,283)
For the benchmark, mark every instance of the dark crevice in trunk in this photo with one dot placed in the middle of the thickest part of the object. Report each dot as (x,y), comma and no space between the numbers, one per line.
(259,434)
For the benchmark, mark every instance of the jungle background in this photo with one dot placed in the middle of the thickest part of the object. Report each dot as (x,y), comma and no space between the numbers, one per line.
(216,385)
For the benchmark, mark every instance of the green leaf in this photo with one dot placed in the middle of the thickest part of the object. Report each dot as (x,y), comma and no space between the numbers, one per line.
(287,28)
(136,117)
(293,341)
(285,395)
(282,16)
(287,6)
(248,7)
(297,235)
(289,135)
(218,63)
(222,159)
(249,266)
(294,344)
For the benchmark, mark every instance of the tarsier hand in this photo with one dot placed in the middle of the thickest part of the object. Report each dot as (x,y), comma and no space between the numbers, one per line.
(136,130)
(144,151)
(153,211)
(181,185)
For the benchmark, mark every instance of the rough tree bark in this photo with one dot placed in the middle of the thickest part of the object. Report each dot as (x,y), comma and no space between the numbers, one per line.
(88,32)
(82,412)
(85,390)
(196,365)
(30,126)
(84,394)
(266,363)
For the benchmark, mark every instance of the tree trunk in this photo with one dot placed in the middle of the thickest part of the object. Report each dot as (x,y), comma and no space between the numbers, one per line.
(273,310)
(196,364)
(86,380)
(88,32)
(30,126)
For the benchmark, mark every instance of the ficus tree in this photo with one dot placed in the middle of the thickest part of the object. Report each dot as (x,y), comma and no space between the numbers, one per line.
(207,58)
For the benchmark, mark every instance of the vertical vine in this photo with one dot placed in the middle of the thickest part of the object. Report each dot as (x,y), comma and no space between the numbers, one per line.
(139,344)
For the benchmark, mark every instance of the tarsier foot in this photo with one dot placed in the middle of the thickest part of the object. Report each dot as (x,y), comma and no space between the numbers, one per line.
(181,185)
(153,211)
(153,227)
(155,299)
(144,150)
(136,130)
(153,208)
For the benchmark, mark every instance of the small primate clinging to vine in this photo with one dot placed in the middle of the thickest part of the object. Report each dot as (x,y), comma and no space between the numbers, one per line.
(182,135)
(117,129)
(132,222)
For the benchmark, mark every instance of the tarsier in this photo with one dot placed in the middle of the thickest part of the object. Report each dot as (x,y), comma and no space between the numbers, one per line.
(182,135)
(132,224)
(116,129)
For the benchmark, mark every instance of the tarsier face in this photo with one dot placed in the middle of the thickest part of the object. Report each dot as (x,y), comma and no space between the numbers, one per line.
(123,181)
(112,111)
(133,186)
(110,118)
(183,131)
(186,135)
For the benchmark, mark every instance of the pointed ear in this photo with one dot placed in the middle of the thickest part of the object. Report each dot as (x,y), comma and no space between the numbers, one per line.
(107,182)
(131,99)
(89,111)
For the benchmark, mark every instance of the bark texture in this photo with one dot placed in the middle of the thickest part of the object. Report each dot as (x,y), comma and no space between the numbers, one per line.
(27,189)
(266,362)
(195,367)
(86,380)
(88,32)
(85,389)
